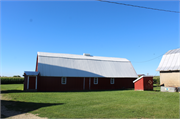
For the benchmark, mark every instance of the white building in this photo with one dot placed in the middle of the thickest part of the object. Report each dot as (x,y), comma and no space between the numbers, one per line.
(169,68)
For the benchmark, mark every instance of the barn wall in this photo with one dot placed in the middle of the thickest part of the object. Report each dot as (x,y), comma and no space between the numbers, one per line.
(170,79)
(139,85)
(119,83)
(54,84)
(87,84)
(76,83)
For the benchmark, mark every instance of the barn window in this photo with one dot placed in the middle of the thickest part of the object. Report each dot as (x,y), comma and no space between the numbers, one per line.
(63,80)
(95,80)
(112,80)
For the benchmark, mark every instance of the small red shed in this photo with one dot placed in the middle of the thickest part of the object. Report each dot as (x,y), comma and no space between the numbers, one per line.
(143,83)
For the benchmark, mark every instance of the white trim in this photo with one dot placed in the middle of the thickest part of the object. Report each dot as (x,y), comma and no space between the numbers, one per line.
(95,79)
(28,83)
(112,82)
(84,84)
(89,83)
(140,78)
(36,83)
(65,81)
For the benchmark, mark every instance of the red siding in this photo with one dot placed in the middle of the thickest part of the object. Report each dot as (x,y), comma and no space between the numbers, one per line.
(87,84)
(104,84)
(145,83)
(32,81)
(54,84)
(76,83)
(36,64)
(139,85)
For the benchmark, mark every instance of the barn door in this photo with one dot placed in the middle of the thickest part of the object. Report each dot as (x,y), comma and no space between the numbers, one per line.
(32,82)
(87,83)
(149,85)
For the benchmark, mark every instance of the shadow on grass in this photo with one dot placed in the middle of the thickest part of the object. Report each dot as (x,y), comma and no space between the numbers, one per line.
(21,91)
(12,91)
(13,108)
(100,90)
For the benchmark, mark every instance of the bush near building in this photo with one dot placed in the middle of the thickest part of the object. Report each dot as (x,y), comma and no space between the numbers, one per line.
(156,80)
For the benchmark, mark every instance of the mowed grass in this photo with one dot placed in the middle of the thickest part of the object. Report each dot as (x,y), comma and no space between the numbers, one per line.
(93,104)
(156,88)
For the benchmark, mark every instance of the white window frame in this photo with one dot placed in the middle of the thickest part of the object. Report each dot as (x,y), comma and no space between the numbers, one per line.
(112,82)
(63,78)
(95,79)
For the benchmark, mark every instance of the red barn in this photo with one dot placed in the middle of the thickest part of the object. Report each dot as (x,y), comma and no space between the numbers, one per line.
(67,72)
(143,83)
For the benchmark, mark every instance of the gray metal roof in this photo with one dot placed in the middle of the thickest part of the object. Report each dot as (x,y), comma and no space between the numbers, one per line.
(31,73)
(170,61)
(67,65)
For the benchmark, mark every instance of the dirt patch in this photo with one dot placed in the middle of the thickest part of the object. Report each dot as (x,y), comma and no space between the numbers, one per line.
(11,114)
(5,97)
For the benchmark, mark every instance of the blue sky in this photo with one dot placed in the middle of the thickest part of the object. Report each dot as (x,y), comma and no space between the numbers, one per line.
(77,27)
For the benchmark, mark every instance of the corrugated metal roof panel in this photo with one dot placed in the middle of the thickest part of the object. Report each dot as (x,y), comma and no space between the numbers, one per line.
(173,51)
(83,66)
(80,56)
(31,73)
(170,61)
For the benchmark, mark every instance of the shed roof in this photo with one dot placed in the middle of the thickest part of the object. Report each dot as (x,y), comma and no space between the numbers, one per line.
(31,73)
(170,61)
(141,78)
(68,65)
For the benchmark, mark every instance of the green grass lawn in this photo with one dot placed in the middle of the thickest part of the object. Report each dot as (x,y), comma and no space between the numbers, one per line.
(156,88)
(93,104)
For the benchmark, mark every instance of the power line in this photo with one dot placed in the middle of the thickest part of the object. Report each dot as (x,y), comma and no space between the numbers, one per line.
(153,58)
(140,6)
(150,59)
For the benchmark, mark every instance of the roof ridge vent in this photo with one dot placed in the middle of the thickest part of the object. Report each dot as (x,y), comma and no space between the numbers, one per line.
(86,54)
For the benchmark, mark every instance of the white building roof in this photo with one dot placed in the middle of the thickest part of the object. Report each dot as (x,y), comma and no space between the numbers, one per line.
(170,61)
(68,65)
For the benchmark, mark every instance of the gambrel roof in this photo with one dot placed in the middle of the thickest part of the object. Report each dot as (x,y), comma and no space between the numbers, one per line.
(68,65)
(170,61)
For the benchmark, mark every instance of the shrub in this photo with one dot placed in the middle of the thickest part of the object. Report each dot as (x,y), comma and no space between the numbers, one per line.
(156,80)
(12,80)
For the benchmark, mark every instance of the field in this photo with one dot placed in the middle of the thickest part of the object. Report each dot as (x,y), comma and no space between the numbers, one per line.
(92,104)
(12,80)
